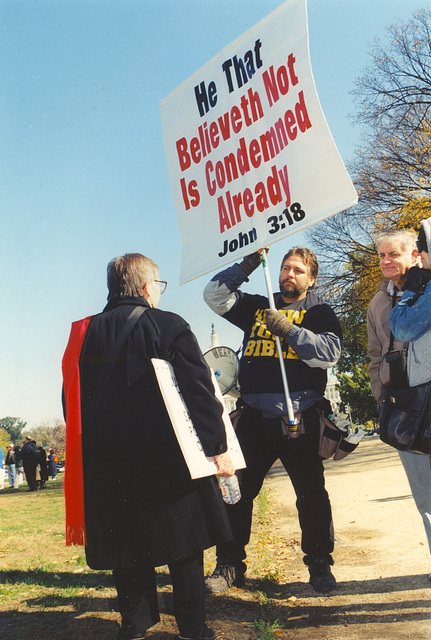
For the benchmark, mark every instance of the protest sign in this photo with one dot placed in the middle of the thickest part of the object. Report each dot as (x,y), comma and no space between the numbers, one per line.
(250,155)
(198,464)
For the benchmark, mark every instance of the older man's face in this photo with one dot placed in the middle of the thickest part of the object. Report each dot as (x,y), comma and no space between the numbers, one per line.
(394,261)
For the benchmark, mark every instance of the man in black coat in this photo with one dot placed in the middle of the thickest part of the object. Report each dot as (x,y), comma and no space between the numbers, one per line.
(29,455)
(148,513)
(43,466)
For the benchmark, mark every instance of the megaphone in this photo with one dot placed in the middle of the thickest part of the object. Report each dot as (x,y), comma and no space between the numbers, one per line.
(225,364)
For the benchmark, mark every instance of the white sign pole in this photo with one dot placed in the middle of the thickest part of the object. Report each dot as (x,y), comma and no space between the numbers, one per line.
(290,413)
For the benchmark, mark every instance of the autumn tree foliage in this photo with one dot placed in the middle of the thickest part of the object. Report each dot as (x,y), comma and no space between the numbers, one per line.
(14,428)
(392,174)
(391,170)
(4,440)
(51,435)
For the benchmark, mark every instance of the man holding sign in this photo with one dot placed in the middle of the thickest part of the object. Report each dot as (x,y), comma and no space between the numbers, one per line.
(311,340)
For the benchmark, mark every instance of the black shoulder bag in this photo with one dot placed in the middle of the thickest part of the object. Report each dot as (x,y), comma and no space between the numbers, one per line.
(112,358)
(405,416)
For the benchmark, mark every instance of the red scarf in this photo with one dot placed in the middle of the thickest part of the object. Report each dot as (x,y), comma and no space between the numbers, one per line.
(74,475)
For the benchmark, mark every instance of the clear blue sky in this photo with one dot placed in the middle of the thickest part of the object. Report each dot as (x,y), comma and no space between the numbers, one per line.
(83,175)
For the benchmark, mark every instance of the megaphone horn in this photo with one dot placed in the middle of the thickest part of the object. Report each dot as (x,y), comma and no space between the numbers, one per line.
(225,364)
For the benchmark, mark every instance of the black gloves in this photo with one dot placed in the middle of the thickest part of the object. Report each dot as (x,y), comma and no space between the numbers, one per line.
(277,323)
(251,262)
(417,279)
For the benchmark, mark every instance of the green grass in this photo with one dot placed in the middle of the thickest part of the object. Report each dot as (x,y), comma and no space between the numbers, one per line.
(34,560)
(266,628)
(47,590)
(267,621)
(263,505)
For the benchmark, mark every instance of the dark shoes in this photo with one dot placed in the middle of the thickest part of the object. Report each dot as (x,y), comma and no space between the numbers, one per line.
(321,578)
(224,577)
(129,634)
(206,634)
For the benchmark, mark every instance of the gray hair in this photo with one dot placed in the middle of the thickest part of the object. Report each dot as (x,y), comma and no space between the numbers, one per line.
(128,274)
(407,239)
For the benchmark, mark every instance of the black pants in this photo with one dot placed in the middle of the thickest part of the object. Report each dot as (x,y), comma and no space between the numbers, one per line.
(262,444)
(30,473)
(137,596)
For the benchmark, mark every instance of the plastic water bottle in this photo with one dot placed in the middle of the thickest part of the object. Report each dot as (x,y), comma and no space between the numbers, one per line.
(229,488)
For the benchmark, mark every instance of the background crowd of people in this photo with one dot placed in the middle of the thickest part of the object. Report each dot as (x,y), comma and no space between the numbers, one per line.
(31,463)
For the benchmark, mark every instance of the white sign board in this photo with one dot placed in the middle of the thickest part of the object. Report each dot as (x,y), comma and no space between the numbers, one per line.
(199,465)
(250,156)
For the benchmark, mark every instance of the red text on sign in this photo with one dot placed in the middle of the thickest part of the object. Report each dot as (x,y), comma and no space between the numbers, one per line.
(279,82)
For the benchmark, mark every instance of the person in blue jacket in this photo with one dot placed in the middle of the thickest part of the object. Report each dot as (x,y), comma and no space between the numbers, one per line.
(2,470)
(410,321)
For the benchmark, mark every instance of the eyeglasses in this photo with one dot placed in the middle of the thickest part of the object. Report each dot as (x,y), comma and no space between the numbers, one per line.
(162,284)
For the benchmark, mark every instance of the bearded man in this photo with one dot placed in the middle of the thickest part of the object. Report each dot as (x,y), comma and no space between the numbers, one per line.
(311,338)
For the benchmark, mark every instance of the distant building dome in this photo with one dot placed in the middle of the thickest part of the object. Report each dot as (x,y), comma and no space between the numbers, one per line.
(214,337)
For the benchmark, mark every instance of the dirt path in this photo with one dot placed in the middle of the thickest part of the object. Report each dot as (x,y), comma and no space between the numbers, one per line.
(381,553)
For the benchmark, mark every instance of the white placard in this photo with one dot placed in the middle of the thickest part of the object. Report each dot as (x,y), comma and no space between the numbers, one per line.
(198,463)
(250,155)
